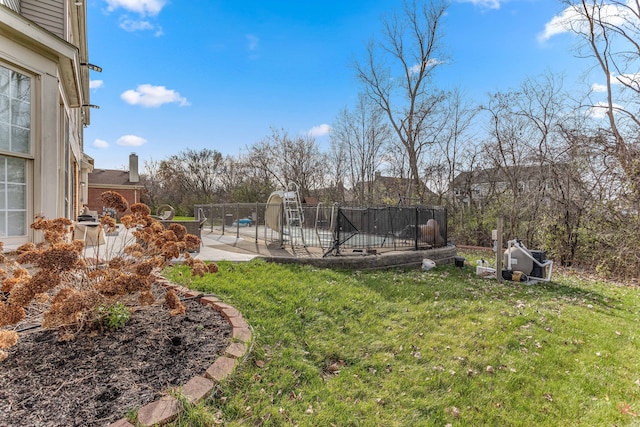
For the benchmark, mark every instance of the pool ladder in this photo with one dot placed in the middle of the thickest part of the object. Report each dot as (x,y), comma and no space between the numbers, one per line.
(293,212)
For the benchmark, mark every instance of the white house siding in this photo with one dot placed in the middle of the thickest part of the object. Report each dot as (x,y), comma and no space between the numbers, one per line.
(49,14)
(13,4)
(48,62)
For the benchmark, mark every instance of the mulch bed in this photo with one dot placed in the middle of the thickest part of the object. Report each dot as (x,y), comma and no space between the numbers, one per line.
(96,379)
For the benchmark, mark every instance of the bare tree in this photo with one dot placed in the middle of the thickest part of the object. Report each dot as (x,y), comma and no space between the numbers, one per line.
(150,179)
(397,73)
(454,149)
(563,179)
(525,143)
(361,137)
(610,30)
(286,159)
(192,177)
(334,189)
(243,182)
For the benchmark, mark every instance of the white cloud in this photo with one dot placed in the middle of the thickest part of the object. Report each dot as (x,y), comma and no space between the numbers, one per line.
(253,46)
(487,4)
(632,79)
(559,24)
(321,130)
(599,110)
(627,79)
(253,42)
(131,141)
(431,62)
(143,7)
(100,143)
(132,25)
(153,96)
(96,84)
(571,19)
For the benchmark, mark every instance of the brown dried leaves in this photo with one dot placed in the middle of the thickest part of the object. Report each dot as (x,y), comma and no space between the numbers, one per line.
(174,303)
(73,286)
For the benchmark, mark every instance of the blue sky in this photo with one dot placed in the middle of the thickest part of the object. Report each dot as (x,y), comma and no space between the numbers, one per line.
(221,73)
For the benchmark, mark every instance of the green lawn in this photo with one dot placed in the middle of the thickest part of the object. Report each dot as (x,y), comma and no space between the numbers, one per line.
(407,347)
(183,218)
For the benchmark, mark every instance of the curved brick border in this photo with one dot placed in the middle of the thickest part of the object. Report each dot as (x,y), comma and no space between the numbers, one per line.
(167,408)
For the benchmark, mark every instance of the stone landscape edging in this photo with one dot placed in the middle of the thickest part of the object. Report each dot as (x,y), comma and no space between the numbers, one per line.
(167,408)
(353,261)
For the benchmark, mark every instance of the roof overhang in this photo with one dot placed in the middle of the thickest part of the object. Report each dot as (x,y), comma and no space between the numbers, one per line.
(116,186)
(87,163)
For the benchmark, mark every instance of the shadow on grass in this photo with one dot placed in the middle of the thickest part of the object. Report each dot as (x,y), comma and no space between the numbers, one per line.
(452,283)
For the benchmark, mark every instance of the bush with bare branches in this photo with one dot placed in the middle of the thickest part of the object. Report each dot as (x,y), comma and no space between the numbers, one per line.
(61,283)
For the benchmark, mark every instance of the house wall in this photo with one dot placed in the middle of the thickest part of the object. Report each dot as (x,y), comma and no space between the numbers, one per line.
(94,202)
(49,14)
(56,126)
(479,189)
(13,4)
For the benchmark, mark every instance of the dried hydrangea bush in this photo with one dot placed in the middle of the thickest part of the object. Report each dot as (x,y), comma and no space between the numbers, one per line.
(60,284)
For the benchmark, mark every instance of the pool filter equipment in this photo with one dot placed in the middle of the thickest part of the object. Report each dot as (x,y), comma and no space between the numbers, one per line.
(519,264)
(532,264)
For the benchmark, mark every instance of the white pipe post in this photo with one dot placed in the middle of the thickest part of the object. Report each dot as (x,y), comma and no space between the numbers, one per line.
(499,251)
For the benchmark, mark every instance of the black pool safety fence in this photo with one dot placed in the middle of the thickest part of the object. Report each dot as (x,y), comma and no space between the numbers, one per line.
(333,228)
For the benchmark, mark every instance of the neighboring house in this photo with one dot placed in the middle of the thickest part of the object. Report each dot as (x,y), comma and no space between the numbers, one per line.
(127,183)
(332,194)
(44,106)
(392,190)
(310,201)
(475,187)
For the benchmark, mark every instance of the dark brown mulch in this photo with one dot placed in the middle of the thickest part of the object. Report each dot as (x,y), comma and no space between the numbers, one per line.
(96,379)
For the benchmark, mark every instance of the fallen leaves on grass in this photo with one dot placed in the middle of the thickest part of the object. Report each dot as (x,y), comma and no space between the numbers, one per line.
(332,368)
(625,409)
(455,412)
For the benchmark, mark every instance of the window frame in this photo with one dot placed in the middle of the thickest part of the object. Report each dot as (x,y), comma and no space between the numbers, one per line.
(28,157)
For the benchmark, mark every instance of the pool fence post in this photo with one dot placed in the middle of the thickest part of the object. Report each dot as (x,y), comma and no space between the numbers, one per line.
(212,217)
(417,230)
(392,226)
(338,228)
(257,221)
(281,224)
(237,220)
(446,226)
(223,217)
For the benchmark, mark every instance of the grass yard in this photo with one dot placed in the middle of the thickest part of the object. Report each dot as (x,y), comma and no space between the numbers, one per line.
(407,347)
(182,218)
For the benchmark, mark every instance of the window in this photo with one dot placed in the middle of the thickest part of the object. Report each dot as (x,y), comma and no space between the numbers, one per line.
(15,111)
(15,138)
(13,196)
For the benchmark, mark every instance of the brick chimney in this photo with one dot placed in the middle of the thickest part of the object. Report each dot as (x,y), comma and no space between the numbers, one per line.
(133,168)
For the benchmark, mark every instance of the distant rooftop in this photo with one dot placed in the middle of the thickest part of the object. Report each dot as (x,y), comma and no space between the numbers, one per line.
(110,177)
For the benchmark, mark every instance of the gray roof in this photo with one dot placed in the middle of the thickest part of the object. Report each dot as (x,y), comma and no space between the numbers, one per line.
(100,177)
